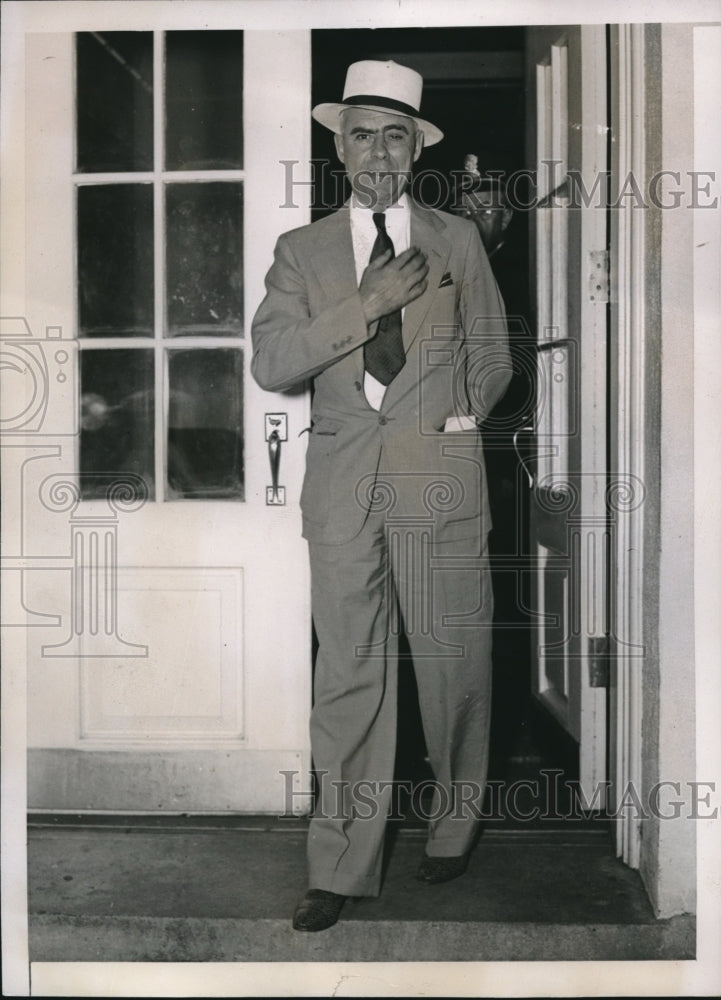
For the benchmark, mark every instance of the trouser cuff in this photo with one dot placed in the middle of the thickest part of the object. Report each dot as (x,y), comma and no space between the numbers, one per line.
(345,883)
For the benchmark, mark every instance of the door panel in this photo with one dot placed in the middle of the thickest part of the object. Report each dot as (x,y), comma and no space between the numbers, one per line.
(170,668)
(569,536)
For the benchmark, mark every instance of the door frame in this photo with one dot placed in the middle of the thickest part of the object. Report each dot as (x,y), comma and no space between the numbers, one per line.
(627,428)
(571,438)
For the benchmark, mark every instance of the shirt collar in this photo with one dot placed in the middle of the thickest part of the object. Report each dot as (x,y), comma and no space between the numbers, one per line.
(397,220)
(400,208)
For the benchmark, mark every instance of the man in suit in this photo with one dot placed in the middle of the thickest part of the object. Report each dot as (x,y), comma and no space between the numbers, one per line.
(393,311)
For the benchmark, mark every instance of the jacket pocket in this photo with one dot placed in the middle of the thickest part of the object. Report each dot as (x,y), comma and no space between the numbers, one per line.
(315,495)
(325,427)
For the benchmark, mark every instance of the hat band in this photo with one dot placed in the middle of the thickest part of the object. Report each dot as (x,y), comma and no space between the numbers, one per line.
(383,102)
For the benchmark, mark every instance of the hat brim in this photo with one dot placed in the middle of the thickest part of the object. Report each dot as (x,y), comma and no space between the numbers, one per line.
(329,115)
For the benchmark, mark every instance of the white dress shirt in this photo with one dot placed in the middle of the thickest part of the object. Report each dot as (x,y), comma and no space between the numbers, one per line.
(364,233)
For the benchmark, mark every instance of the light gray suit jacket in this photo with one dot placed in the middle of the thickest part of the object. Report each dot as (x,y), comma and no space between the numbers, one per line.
(311,325)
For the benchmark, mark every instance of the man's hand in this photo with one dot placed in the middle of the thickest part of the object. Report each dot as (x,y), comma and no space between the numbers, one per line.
(389,283)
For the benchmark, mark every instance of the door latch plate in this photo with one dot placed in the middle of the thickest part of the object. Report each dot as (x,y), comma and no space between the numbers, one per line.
(598,276)
(276,422)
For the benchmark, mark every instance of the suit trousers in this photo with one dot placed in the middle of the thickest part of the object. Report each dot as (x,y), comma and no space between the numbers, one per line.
(361,590)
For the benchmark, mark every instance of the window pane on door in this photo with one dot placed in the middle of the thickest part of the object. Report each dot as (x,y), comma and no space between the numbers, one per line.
(115,260)
(204,259)
(204,100)
(114,101)
(117,405)
(205,424)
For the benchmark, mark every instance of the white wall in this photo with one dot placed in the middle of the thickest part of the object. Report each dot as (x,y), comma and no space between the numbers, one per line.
(668,846)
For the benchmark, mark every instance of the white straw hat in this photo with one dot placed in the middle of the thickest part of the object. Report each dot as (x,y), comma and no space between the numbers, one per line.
(380,86)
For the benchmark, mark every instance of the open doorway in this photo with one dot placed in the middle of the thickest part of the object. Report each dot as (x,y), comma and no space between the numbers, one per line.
(475,88)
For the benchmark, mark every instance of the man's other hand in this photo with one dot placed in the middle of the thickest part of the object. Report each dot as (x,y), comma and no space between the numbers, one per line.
(389,283)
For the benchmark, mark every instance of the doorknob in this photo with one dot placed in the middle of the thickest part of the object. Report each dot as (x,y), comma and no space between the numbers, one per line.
(519,456)
(276,431)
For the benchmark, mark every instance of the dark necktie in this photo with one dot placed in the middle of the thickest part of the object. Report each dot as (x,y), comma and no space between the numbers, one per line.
(384,355)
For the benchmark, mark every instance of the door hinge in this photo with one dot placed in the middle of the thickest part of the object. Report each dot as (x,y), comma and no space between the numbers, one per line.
(598,276)
(598,662)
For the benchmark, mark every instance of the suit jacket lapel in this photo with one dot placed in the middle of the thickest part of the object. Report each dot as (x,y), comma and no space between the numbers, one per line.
(427,235)
(333,259)
(334,265)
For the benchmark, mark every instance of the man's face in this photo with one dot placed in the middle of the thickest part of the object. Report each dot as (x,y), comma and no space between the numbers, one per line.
(378,150)
(488,212)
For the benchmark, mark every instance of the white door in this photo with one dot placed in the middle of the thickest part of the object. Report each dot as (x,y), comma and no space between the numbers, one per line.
(159,578)
(569,530)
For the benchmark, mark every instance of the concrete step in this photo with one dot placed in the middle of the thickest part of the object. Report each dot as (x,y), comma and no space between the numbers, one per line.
(216,894)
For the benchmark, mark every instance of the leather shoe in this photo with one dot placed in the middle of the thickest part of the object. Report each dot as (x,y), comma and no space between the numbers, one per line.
(435,870)
(317,910)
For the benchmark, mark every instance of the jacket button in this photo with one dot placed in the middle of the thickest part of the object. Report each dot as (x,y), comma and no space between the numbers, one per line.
(382,421)
(357,385)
